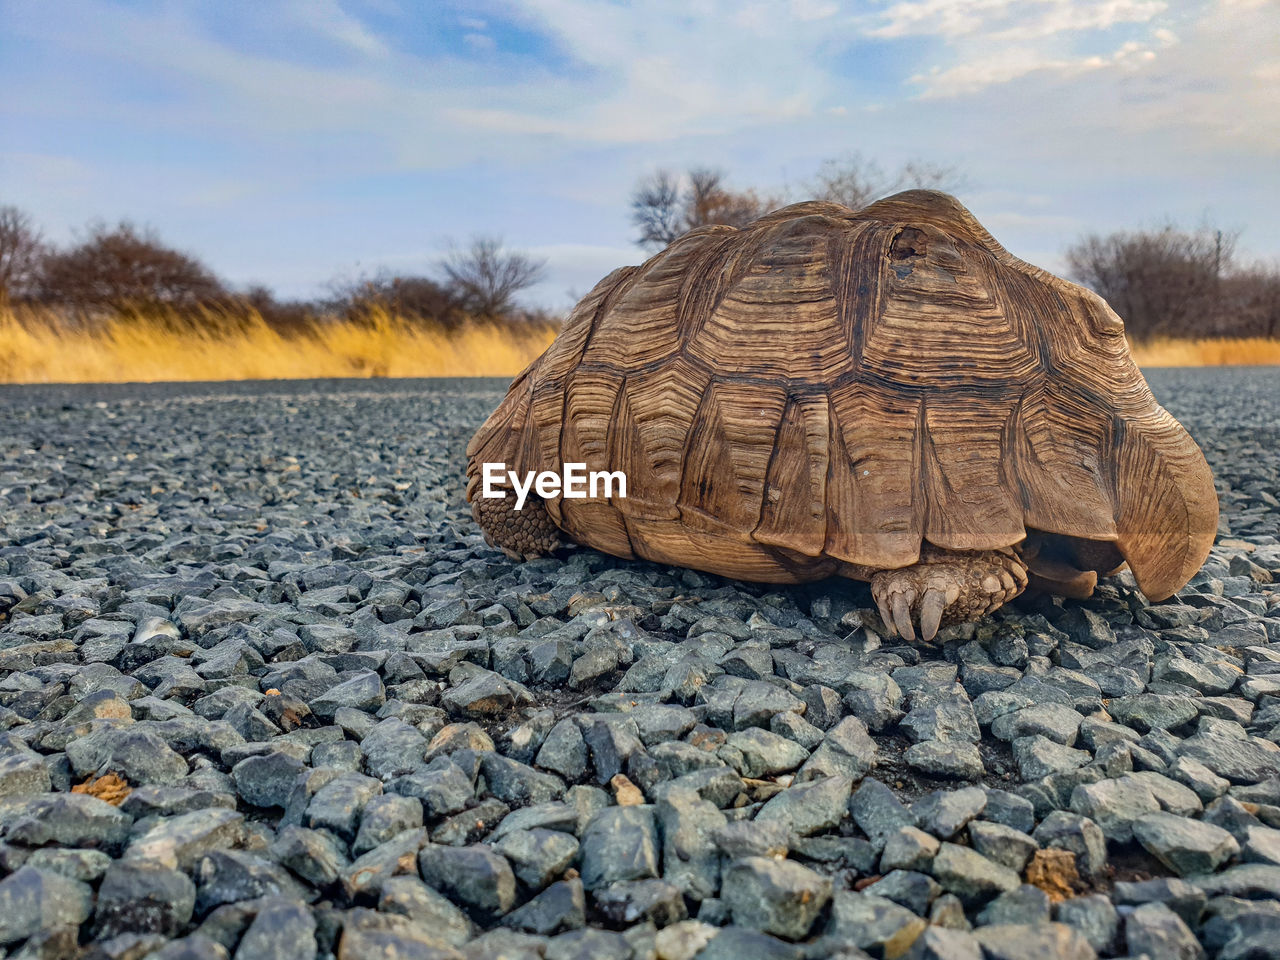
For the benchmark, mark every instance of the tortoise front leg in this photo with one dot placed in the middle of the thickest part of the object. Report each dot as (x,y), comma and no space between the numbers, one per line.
(946,586)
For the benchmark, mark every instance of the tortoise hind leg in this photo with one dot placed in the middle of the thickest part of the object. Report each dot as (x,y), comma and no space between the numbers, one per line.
(946,586)
(520,534)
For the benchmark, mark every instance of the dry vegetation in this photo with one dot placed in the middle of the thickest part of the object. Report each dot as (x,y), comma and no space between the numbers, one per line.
(1224,352)
(37,346)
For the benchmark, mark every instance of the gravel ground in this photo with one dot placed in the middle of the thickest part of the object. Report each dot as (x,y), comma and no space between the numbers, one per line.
(265,693)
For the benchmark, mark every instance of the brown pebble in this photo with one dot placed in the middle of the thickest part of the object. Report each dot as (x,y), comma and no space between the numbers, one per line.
(626,793)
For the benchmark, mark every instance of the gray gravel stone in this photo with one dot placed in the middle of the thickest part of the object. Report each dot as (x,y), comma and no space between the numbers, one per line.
(941,943)
(619,843)
(474,876)
(775,896)
(908,849)
(1004,845)
(409,897)
(1094,916)
(1050,941)
(1157,931)
(808,808)
(143,897)
(140,756)
(1055,721)
(878,812)
(846,751)
(690,857)
(1025,904)
(1039,757)
(266,780)
(1080,835)
(538,856)
(873,923)
(1184,845)
(281,929)
(178,842)
(560,907)
(945,760)
(33,900)
(948,721)
(1114,805)
(971,876)
(759,753)
(944,813)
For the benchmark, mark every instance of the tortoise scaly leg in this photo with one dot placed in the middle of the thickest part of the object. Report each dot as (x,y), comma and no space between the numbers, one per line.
(520,534)
(946,586)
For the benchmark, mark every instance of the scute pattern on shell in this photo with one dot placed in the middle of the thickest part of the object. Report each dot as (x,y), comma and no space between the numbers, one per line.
(825,389)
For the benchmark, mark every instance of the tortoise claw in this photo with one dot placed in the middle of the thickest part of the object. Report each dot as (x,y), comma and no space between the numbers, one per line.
(885,615)
(902,617)
(931,607)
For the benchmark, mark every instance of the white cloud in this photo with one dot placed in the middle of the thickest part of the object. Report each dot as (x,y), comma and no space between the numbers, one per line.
(1015,63)
(479,41)
(327,18)
(1008,20)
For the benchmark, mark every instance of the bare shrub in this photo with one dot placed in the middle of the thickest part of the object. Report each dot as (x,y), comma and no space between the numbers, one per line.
(1164,282)
(856,181)
(485,278)
(21,250)
(415,299)
(126,268)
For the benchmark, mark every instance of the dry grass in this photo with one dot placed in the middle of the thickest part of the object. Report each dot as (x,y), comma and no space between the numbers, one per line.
(38,347)
(1229,351)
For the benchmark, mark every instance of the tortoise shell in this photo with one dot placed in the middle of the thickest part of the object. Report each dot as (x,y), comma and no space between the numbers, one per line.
(824,389)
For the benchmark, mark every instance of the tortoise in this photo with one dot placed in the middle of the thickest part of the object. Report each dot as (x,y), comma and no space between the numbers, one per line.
(884,394)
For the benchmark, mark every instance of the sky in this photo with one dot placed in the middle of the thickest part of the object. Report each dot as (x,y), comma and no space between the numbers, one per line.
(295,142)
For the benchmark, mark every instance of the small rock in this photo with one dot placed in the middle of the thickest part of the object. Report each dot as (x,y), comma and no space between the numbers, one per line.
(143,897)
(952,760)
(908,849)
(32,900)
(1004,845)
(1157,931)
(475,876)
(775,896)
(282,930)
(619,843)
(809,808)
(878,812)
(1095,918)
(873,923)
(944,813)
(1184,845)
(538,856)
(1040,941)
(971,876)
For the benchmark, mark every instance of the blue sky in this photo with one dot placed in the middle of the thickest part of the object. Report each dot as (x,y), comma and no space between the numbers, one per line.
(293,141)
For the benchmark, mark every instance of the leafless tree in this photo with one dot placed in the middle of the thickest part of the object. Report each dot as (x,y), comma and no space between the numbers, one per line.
(1163,282)
(656,208)
(665,206)
(856,181)
(1251,302)
(126,267)
(21,250)
(486,278)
